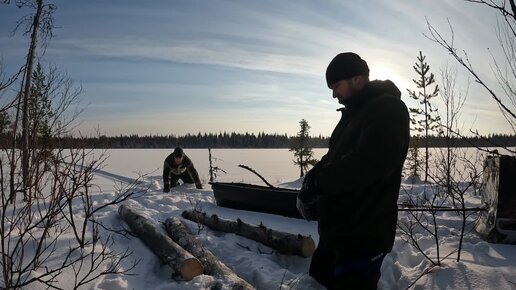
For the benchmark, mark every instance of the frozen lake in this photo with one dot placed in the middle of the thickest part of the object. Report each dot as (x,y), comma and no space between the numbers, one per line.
(275,165)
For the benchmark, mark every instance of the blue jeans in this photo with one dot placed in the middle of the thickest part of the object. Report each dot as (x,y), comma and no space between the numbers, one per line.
(359,273)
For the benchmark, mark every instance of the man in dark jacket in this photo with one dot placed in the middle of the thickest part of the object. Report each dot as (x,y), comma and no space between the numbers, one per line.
(178,166)
(352,192)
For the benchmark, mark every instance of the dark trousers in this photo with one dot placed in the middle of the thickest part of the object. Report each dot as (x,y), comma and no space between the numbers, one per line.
(185,177)
(360,273)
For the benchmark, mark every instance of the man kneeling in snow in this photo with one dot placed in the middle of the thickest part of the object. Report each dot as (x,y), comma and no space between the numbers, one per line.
(178,166)
(353,191)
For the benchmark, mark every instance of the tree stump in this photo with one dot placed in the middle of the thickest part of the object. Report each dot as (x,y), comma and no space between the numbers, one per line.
(183,264)
(283,242)
(212,265)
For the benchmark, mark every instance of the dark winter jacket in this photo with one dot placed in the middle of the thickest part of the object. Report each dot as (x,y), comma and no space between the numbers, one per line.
(186,166)
(357,182)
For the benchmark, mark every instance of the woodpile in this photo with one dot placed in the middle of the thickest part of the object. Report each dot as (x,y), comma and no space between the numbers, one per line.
(212,265)
(181,262)
(178,248)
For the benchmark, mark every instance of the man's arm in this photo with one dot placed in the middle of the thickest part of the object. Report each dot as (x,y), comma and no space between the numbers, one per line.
(193,173)
(166,176)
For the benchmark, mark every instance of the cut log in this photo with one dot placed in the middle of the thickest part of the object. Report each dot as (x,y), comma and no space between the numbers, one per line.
(183,264)
(212,265)
(283,242)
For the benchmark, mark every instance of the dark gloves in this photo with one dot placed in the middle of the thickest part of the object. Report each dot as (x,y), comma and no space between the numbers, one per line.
(166,187)
(198,186)
(308,197)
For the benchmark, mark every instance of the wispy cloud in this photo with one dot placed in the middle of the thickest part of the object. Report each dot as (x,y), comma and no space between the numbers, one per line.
(201,65)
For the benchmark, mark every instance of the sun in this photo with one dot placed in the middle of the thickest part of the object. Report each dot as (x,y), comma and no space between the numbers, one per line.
(385,73)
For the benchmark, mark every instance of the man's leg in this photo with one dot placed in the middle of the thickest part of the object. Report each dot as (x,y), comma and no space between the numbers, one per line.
(356,281)
(359,274)
(321,266)
(186,178)
(173,180)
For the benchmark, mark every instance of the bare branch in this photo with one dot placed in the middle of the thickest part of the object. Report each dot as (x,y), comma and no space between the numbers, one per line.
(500,8)
(436,37)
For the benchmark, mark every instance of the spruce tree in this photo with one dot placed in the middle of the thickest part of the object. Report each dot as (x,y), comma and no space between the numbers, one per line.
(5,122)
(40,105)
(302,149)
(424,118)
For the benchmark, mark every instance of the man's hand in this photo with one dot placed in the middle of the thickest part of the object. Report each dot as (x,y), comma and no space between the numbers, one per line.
(308,197)
(166,188)
(198,185)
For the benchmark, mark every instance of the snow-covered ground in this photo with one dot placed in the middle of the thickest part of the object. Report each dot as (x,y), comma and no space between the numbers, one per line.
(482,265)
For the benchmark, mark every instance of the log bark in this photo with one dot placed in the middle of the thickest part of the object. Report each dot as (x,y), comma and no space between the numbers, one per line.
(183,264)
(283,242)
(212,265)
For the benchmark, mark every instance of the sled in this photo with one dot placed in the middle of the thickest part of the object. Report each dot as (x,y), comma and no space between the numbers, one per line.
(243,196)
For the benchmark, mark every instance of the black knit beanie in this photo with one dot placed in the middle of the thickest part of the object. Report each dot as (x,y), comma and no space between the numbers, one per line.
(178,152)
(344,66)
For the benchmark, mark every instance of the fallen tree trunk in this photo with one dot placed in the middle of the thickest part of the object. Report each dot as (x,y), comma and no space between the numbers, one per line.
(212,265)
(183,264)
(285,243)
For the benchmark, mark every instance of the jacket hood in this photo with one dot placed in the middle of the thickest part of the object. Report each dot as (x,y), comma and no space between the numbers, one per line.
(378,87)
(371,90)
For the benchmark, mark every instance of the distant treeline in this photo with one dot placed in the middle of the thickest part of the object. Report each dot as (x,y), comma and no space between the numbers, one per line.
(477,141)
(251,140)
(206,140)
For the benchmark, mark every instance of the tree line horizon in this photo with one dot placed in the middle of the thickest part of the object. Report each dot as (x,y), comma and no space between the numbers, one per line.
(252,140)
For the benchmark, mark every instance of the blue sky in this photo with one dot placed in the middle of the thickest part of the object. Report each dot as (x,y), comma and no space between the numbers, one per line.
(188,66)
